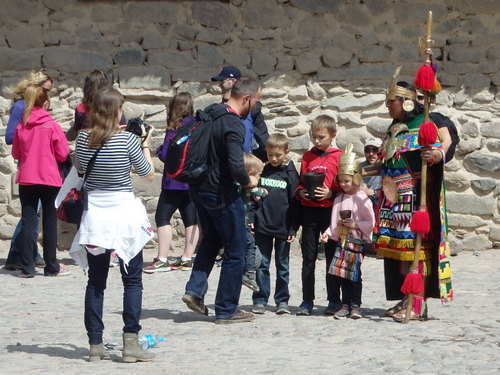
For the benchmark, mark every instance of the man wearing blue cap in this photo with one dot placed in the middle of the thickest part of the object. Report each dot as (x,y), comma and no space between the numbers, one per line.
(256,133)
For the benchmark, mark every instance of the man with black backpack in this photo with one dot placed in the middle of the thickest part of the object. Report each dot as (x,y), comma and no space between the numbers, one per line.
(220,207)
(256,133)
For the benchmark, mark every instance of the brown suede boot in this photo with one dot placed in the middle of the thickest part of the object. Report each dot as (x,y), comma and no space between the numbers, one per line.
(98,352)
(132,351)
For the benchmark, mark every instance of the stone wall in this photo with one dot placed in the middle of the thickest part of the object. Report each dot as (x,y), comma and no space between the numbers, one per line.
(314,56)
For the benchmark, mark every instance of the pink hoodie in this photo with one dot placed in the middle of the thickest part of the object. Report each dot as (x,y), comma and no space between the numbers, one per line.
(40,146)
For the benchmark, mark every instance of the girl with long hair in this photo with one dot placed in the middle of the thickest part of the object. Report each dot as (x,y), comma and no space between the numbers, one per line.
(174,196)
(115,220)
(39,146)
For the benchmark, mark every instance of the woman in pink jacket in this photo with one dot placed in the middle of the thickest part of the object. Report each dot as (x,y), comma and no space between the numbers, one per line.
(39,146)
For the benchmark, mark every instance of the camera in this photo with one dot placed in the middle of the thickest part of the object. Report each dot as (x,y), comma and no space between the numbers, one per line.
(134,126)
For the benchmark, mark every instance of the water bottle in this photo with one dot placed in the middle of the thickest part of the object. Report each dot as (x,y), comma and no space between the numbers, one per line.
(150,341)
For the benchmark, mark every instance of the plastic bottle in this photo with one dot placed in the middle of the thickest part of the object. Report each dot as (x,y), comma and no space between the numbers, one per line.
(150,341)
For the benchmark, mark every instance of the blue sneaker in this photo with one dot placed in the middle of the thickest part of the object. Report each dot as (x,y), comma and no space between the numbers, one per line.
(332,308)
(305,309)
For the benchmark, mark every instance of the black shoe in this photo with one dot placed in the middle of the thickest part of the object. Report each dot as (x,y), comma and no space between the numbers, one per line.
(238,317)
(305,309)
(332,308)
(13,267)
(194,303)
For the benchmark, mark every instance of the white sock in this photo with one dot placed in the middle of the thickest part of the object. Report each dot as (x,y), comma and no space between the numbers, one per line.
(185,259)
(163,260)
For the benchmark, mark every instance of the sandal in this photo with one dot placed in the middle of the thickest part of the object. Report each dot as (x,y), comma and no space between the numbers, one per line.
(401,314)
(401,305)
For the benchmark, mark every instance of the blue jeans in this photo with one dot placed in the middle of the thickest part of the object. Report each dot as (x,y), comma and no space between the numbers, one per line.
(14,256)
(251,250)
(281,259)
(222,222)
(94,295)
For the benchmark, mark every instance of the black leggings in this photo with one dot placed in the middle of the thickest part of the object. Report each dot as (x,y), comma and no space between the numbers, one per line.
(169,202)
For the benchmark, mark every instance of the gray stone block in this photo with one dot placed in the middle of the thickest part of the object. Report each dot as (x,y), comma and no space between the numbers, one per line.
(185,31)
(262,63)
(152,39)
(298,93)
(456,181)
(263,13)
(11,59)
(127,56)
(32,11)
(466,146)
(483,186)
(213,14)
(461,54)
(194,88)
(210,55)
(23,36)
(315,90)
(172,59)
(317,6)
(235,56)
(493,145)
(465,221)
(300,143)
(73,60)
(308,64)
(470,128)
(477,243)
(286,122)
(105,13)
(480,162)
(214,36)
(152,12)
(151,77)
(373,54)
(312,27)
(336,57)
(491,129)
(343,103)
(469,204)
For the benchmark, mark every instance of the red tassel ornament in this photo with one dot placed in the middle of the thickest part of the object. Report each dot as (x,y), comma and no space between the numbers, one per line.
(420,222)
(424,80)
(427,134)
(413,284)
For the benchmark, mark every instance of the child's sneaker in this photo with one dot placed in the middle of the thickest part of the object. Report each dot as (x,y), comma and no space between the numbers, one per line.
(113,260)
(332,308)
(250,282)
(342,313)
(259,308)
(183,265)
(355,312)
(282,308)
(157,266)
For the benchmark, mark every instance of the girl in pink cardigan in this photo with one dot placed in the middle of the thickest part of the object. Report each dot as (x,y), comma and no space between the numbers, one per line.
(39,146)
(352,226)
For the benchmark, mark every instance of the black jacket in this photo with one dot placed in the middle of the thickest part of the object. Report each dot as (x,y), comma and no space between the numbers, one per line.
(278,214)
(261,133)
(225,155)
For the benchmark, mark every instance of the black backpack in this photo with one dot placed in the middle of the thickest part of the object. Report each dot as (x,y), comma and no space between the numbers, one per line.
(444,121)
(187,156)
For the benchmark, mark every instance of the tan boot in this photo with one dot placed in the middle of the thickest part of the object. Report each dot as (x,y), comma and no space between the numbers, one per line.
(98,352)
(132,351)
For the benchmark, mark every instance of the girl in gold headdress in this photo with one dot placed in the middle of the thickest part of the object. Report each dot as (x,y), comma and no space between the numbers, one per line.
(352,226)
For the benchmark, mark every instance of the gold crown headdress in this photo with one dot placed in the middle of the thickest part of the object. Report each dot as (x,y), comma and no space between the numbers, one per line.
(349,165)
(398,91)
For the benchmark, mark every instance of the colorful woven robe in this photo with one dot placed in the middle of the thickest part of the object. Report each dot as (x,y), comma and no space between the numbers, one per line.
(394,237)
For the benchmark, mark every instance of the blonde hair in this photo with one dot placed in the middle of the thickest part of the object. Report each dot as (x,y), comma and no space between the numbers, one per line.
(253,163)
(33,78)
(324,122)
(103,116)
(34,97)
(179,107)
(277,140)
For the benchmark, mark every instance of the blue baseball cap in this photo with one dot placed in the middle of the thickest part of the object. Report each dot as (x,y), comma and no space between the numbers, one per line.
(227,72)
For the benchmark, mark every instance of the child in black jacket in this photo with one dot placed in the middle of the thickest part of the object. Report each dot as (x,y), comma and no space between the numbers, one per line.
(276,220)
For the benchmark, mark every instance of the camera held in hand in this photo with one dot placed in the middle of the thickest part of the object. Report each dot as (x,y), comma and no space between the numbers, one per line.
(134,126)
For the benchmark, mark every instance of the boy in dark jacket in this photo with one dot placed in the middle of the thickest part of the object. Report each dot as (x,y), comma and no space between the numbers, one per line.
(276,220)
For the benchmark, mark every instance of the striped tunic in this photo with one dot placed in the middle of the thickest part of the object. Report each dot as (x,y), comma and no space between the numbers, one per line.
(111,170)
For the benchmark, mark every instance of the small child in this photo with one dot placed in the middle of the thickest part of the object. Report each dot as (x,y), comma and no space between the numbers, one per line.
(254,167)
(276,220)
(316,211)
(352,226)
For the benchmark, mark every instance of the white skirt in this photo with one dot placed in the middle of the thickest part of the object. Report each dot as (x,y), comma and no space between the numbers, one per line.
(114,220)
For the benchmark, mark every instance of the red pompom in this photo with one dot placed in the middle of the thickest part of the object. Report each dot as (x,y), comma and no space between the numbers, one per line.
(424,80)
(413,284)
(427,134)
(420,222)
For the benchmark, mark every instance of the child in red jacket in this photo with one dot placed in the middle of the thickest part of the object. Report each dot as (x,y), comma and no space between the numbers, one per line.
(321,161)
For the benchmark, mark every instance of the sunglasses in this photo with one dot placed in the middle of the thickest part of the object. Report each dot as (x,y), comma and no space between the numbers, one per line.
(371,149)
